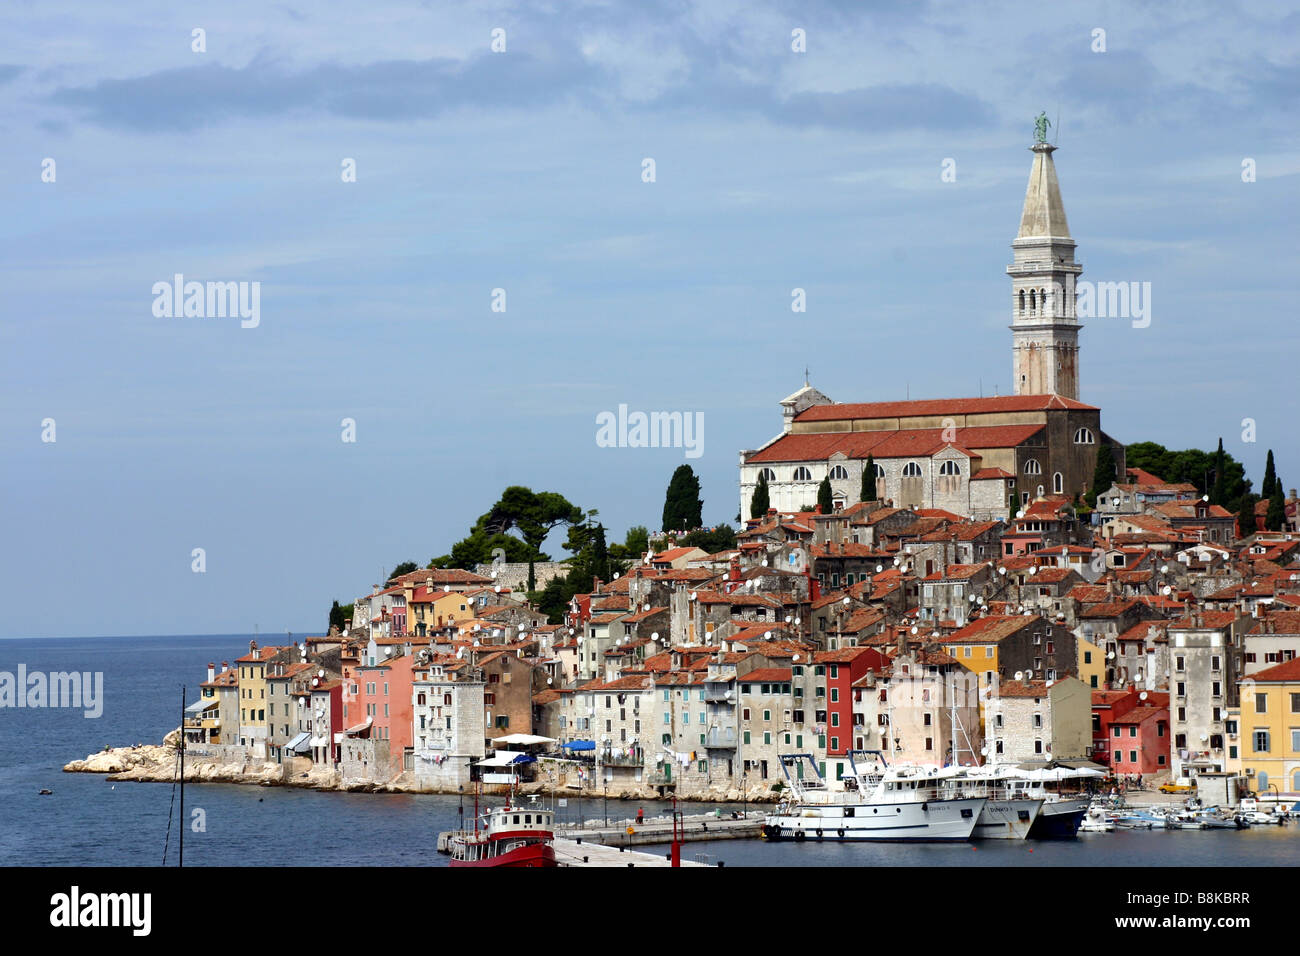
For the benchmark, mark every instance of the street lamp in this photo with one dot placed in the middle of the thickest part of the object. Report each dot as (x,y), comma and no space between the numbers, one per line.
(606,803)
(744,793)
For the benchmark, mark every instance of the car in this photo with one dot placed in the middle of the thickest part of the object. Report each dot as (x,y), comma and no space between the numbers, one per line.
(1172,787)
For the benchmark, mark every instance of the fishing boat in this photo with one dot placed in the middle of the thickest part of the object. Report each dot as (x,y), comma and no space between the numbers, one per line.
(1061,815)
(1254,813)
(877,804)
(506,836)
(1006,815)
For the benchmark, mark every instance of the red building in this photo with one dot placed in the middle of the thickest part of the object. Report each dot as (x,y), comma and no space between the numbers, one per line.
(839,669)
(1139,741)
(383,701)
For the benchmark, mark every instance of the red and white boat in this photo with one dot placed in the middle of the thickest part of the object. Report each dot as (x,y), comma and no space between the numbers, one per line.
(506,836)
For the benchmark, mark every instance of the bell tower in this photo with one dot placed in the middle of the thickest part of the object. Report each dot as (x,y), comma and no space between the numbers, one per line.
(1044,326)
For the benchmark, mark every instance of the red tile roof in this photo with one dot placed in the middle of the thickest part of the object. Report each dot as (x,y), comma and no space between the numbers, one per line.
(939,406)
(1286,671)
(907,443)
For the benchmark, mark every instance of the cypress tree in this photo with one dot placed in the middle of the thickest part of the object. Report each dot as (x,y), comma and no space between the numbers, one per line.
(1270,477)
(825,503)
(868,492)
(1216,490)
(758,504)
(1276,516)
(683,508)
(1103,475)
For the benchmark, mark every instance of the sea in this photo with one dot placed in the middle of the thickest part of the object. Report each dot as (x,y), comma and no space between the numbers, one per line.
(88,820)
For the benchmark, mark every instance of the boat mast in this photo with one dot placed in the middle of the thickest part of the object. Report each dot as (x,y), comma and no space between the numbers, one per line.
(180,855)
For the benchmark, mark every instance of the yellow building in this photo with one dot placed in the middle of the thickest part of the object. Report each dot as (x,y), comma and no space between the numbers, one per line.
(253,722)
(432,608)
(1269,729)
(1092,664)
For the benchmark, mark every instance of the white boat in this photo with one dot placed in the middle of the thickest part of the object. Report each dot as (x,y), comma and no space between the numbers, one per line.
(876,804)
(1252,812)
(1096,821)
(1007,815)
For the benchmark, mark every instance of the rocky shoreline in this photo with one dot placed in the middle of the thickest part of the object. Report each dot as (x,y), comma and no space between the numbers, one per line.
(156,763)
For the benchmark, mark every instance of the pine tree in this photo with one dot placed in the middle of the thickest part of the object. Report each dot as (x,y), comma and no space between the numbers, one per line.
(825,503)
(1246,516)
(600,555)
(868,492)
(1103,475)
(1217,489)
(1276,516)
(1270,477)
(683,508)
(758,504)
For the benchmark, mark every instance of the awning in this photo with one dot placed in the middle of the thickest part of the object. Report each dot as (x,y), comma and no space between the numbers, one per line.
(199,706)
(359,727)
(579,745)
(299,744)
(506,758)
(521,740)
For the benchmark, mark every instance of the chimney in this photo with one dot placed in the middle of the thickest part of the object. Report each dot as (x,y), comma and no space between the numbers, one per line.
(596,585)
(212,671)
(252,647)
(733,572)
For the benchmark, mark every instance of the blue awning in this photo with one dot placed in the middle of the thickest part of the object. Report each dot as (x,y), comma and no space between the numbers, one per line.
(579,745)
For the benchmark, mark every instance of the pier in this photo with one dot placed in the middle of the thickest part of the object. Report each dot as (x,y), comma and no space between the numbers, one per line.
(660,830)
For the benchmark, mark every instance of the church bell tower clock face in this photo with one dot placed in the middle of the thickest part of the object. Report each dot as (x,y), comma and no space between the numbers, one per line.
(1043,272)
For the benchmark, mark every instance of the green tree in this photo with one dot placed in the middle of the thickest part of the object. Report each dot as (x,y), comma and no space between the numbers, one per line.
(1246,516)
(336,617)
(1192,466)
(683,508)
(1270,477)
(868,492)
(1103,475)
(1276,517)
(406,567)
(758,504)
(530,515)
(599,555)
(721,538)
(1217,491)
(824,500)
(635,544)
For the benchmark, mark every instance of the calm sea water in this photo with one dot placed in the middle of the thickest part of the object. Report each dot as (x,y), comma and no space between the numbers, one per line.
(89,821)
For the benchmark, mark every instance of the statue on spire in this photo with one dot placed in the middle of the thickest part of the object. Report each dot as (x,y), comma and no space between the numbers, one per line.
(1040,128)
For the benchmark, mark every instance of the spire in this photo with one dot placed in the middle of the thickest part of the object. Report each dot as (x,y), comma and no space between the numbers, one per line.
(1044,213)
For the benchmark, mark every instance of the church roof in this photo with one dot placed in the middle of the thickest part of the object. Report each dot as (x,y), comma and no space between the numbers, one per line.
(1044,213)
(905,443)
(940,406)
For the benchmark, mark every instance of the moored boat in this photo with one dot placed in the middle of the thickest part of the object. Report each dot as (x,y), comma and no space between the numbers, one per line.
(876,804)
(506,836)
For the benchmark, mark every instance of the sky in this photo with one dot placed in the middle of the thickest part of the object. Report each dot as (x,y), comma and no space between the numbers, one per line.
(524,170)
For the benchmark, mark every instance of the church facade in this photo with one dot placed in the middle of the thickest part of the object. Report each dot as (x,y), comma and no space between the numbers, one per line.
(981,457)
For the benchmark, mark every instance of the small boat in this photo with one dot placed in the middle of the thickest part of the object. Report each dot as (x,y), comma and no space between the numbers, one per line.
(506,836)
(1096,821)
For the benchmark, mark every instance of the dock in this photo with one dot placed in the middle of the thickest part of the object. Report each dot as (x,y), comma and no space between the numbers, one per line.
(658,830)
(572,853)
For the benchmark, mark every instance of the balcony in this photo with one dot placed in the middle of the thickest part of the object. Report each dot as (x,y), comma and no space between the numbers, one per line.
(657,779)
(721,738)
(622,760)
(718,694)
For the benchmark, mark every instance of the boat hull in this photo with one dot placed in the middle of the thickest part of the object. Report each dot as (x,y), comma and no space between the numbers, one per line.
(1006,819)
(934,821)
(526,855)
(1059,820)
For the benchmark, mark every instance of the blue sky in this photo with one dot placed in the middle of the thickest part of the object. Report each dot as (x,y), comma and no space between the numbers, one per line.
(522,170)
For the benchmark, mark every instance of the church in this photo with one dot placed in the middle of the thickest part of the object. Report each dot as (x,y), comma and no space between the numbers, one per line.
(980,457)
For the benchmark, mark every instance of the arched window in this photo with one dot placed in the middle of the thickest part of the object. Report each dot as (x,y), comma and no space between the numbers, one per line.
(1022,301)
(1084,437)
(911,470)
(768,474)
(950,468)
(839,473)
(1033,301)
(1058,483)
(802,474)
(880,471)
(1032,467)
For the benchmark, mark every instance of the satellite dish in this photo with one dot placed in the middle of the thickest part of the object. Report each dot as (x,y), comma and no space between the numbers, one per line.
(845,602)
(476,644)
(1164,569)
(795,658)
(320,674)
(548,680)
(915,629)
(1204,737)
(767,635)
(315,682)
(1166,590)
(654,636)
(446,588)
(1002,571)
(765,562)
(879,568)
(1020,675)
(460,653)
(980,600)
(1020,514)
(1204,498)
(570,632)
(1142,696)
(1137,676)
(971,598)
(1033,570)
(693,596)
(615,575)
(1110,655)
(497,589)
(798,621)
(896,562)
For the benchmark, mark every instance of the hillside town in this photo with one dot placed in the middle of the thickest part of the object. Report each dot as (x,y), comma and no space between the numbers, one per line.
(950,600)
(930,637)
